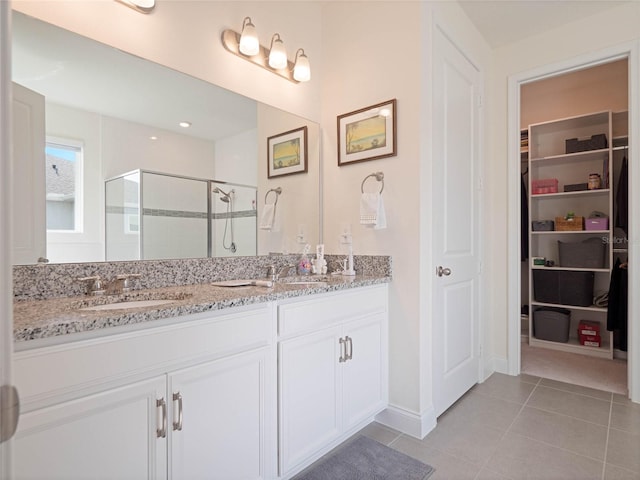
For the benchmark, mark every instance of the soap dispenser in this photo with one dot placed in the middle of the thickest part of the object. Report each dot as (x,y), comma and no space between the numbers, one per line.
(304,264)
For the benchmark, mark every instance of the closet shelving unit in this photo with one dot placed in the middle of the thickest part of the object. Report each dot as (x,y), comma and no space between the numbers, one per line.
(547,159)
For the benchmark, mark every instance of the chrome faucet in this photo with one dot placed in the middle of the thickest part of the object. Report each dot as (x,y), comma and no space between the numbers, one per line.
(122,283)
(94,285)
(284,271)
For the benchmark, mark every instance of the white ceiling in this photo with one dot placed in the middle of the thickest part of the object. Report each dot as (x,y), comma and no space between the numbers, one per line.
(72,70)
(506,21)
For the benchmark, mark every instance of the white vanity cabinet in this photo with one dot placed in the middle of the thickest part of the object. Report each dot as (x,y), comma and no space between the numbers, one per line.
(332,361)
(111,434)
(190,399)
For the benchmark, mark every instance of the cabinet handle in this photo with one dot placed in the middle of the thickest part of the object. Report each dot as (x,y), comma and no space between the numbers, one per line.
(348,341)
(162,432)
(342,342)
(178,425)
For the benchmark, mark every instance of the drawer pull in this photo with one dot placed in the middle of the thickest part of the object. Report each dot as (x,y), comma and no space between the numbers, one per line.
(348,341)
(342,358)
(162,431)
(177,425)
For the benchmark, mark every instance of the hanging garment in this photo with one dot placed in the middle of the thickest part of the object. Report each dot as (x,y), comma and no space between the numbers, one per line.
(622,198)
(617,310)
(524,222)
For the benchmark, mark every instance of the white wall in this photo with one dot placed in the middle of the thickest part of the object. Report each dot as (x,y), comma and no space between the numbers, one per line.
(235,159)
(298,208)
(592,34)
(185,35)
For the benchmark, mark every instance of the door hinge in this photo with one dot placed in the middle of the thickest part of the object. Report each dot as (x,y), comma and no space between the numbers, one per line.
(479,101)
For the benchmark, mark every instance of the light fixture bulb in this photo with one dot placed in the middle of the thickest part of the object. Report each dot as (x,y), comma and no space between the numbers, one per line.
(277,53)
(185,124)
(301,69)
(249,43)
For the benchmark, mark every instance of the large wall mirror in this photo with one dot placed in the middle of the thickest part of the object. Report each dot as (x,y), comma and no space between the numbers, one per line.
(143,162)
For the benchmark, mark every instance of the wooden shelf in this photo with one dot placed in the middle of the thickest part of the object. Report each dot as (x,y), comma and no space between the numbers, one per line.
(571,269)
(546,142)
(574,157)
(569,232)
(578,193)
(591,308)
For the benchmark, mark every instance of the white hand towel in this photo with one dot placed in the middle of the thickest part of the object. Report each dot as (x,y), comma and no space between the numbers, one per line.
(268,217)
(372,212)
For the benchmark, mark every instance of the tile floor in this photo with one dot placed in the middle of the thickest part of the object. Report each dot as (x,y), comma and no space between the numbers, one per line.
(531,428)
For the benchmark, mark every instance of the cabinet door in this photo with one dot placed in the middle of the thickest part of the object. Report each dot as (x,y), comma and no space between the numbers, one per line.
(364,373)
(309,390)
(221,430)
(107,435)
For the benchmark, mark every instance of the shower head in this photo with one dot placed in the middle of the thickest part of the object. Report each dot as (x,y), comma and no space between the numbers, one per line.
(225,197)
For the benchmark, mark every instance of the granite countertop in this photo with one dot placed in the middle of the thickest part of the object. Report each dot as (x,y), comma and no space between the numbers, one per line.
(38,319)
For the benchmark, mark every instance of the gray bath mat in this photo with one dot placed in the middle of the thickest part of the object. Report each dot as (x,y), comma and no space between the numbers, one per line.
(366,459)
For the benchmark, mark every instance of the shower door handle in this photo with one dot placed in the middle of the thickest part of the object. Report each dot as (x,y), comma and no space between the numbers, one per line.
(443,271)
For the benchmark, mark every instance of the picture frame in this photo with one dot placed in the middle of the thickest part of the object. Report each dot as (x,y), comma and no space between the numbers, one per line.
(368,133)
(287,153)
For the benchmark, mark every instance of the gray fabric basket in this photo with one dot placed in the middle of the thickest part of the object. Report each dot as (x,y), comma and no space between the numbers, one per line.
(551,324)
(565,288)
(590,253)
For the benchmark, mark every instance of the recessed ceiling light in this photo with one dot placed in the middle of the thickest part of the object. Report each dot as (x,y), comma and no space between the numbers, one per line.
(153,137)
(185,124)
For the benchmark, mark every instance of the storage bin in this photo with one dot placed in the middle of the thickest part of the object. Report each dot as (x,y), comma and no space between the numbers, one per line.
(595,142)
(576,187)
(590,340)
(551,324)
(542,225)
(544,185)
(601,223)
(563,287)
(589,253)
(588,327)
(569,225)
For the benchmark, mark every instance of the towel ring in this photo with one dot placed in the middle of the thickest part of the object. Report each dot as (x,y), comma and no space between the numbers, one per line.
(277,191)
(379,177)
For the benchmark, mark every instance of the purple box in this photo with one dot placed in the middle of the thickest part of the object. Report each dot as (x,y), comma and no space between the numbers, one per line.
(601,223)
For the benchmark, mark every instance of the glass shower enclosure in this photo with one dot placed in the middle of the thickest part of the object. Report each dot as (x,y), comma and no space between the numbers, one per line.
(152,215)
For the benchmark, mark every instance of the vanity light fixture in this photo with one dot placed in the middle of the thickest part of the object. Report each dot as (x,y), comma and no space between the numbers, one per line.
(249,43)
(277,53)
(142,6)
(273,58)
(301,69)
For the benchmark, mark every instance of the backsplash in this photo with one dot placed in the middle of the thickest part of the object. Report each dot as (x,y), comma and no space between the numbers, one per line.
(39,282)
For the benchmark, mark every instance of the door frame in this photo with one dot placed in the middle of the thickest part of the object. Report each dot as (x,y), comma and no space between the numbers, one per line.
(6,292)
(631,51)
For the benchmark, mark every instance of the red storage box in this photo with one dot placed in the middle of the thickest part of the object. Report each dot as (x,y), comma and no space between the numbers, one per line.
(587,327)
(590,340)
(545,185)
(596,223)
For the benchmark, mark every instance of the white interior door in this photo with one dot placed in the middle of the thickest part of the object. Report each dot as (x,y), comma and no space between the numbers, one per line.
(456,182)
(29,230)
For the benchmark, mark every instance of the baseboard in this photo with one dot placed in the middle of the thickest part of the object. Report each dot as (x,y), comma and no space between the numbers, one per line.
(500,365)
(409,423)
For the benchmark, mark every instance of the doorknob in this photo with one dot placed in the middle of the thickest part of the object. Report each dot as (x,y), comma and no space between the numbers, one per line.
(440,271)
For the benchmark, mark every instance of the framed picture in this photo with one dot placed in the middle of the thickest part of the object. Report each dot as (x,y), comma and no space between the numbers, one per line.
(367,134)
(287,153)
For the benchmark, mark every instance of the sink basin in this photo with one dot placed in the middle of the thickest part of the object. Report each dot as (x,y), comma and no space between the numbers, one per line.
(128,304)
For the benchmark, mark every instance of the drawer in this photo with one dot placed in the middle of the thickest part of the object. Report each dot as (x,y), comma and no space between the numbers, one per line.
(312,313)
(89,365)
